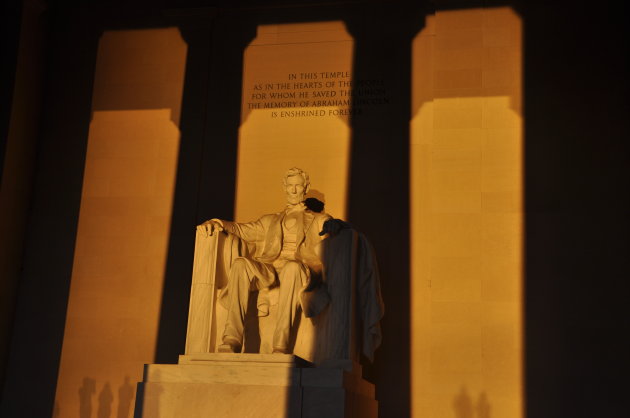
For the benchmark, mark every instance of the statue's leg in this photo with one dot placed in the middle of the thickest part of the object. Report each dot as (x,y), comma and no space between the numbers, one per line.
(242,273)
(293,277)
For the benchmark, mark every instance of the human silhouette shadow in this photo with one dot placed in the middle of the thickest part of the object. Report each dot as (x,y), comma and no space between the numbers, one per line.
(126,393)
(105,399)
(483,406)
(86,391)
(462,404)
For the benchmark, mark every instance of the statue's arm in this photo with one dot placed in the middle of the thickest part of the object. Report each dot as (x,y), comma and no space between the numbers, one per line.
(249,231)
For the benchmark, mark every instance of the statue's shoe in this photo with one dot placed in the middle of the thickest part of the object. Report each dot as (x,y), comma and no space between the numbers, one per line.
(279,350)
(230,345)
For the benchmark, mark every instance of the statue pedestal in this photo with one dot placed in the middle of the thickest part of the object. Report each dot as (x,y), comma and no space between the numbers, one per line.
(253,385)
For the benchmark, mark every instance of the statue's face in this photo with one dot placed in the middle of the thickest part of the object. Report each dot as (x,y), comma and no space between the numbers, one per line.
(295,190)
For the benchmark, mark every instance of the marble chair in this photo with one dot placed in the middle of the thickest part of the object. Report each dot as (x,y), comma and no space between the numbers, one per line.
(335,337)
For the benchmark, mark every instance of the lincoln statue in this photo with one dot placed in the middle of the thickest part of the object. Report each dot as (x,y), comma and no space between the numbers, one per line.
(287,254)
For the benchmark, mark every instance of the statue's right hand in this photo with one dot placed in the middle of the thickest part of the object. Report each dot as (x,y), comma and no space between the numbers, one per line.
(208,227)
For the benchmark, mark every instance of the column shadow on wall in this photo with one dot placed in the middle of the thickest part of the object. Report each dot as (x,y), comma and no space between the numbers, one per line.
(42,297)
(577,227)
(206,171)
(378,198)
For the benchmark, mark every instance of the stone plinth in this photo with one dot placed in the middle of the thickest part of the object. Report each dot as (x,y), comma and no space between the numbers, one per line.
(252,385)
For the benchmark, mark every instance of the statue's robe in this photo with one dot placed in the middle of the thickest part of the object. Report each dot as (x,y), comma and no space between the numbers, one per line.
(276,260)
(264,237)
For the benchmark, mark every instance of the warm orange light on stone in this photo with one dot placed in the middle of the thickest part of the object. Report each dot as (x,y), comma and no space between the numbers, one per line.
(467,215)
(124,221)
(317,142)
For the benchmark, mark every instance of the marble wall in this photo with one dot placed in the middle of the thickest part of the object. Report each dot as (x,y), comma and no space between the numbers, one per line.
(467,215)
(124,221)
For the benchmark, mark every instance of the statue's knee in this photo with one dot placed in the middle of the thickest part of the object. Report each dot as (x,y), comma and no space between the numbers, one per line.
(239,266)
(292,266)
(292,269)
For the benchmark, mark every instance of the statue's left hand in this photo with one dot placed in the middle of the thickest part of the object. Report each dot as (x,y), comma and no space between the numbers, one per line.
(208,227)
(332,226)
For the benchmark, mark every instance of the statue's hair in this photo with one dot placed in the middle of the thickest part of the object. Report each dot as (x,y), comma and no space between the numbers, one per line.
(296,172)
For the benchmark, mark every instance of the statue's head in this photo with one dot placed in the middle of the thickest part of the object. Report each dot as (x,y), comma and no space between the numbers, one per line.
(296,185)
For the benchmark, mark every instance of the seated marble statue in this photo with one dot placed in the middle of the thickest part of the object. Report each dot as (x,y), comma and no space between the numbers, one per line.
(288,254)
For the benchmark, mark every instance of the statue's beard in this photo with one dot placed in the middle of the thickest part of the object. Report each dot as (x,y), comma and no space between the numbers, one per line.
(294,200)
